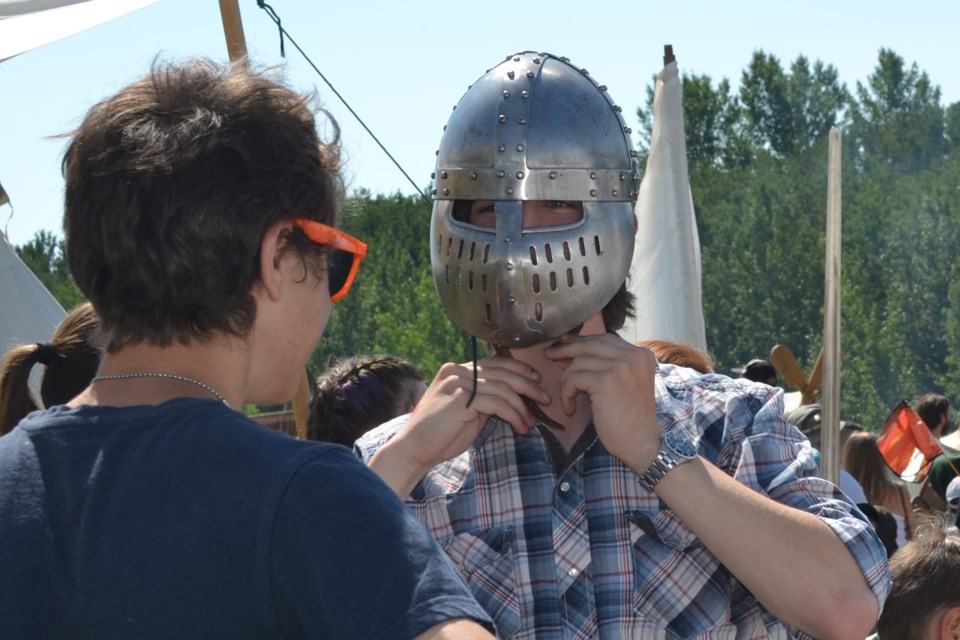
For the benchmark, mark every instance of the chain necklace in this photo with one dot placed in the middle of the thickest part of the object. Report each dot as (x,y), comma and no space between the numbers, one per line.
(171,376)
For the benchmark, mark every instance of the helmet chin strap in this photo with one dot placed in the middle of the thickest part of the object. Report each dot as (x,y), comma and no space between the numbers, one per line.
(535,409)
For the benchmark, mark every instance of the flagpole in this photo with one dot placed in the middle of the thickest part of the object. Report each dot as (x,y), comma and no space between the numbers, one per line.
(830,425)
(233,30)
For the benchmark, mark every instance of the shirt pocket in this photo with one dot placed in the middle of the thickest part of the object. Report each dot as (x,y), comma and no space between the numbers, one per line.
(678,584)
(486,561)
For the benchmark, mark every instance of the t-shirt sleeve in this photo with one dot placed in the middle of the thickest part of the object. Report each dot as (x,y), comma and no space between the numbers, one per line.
(776,460)
(348,559)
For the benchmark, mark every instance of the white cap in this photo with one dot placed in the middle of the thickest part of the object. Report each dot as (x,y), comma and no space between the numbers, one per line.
(953,492)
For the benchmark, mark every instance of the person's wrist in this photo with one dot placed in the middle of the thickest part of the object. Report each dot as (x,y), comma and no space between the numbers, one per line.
(644,451)
(397,467)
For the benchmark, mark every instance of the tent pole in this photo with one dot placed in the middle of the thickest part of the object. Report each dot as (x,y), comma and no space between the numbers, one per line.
(233,30)
(830,424)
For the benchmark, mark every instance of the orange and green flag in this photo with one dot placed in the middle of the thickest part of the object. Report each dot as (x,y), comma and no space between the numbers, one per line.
(907,445)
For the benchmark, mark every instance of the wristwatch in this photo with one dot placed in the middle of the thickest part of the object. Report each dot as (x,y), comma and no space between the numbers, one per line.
(675,449)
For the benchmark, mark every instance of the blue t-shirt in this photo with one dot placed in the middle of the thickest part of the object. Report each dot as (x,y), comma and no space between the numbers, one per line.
(188,520)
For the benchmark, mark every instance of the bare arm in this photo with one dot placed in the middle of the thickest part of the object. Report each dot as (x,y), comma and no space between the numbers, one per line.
(460,629)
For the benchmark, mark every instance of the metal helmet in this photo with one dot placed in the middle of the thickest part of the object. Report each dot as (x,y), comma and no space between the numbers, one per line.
(533,128)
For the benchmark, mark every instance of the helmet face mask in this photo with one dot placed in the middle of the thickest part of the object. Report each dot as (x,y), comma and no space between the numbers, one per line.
(533,128)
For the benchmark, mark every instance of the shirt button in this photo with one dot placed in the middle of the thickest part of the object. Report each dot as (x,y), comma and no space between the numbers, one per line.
(564,486)
(573,573)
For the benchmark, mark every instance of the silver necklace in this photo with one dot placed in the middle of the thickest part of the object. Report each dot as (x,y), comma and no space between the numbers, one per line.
(171,376)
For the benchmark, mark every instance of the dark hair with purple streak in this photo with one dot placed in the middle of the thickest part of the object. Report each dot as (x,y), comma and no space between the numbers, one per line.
(359,393)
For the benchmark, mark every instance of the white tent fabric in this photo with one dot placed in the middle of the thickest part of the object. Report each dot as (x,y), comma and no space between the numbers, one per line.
(28,24)
(665,274)
(28,312)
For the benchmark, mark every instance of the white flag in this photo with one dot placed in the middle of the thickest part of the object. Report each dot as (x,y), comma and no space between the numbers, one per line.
(665,274)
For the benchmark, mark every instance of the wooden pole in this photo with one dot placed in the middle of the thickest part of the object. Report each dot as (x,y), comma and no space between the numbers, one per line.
(830,425)
(668,56)
(233,30)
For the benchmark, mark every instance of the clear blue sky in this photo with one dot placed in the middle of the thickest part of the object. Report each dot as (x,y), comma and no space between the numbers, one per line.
(402,66)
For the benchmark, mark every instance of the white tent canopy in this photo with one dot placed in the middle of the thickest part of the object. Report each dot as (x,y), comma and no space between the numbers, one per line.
(665,274)
(28,24)
(28,313)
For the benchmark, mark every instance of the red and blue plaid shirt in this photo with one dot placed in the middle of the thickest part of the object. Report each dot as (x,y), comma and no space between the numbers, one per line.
(589,553)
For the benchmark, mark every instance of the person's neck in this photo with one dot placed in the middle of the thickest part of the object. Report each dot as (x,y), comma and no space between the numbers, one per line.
(189,370)
(552,372)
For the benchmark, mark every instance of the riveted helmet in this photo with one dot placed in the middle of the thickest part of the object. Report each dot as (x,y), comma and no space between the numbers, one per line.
(532,128)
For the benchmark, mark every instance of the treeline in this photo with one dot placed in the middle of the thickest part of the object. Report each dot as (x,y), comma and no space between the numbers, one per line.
(758,173)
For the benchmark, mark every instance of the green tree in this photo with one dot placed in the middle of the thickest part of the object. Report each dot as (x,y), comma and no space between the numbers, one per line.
(45,255)
(897,121)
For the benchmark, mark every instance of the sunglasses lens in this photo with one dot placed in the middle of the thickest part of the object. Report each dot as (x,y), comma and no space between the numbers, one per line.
(338,270)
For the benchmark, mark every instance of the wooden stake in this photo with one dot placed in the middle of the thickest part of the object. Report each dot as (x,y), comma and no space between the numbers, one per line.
(233,30)
(668,54)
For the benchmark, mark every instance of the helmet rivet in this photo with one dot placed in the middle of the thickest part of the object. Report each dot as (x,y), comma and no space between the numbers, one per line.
(446,192)
(593,175)
(525,95)
(529,74)
(622,177)
(507,238)
(617,108)
(473,175)
(433,192)
(516,339)
(633,154)
(501,173)
(443,174)
(519,175)
(522,120)
(502,118)
(536,61)
(501,148)
(616,193)
(454,108)
(520,148)
(433,175)
(584,72)
(627,129)
(512,300)
(437,152)
(553,175)
(602,87)
(509,191)
(516,58)
(510,74)
(593,193)
(444,127)
(508,266)
(506,94)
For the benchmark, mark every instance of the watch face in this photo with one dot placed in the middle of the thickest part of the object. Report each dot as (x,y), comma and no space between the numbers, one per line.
(680,444)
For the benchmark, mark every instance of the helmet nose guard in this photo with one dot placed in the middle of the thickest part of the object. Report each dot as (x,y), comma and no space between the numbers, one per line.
(533,128)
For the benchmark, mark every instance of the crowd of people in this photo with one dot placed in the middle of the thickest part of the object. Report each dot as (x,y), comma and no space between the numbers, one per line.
(568,484)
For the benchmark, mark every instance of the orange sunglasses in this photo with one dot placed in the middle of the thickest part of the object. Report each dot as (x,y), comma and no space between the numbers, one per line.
(346,252)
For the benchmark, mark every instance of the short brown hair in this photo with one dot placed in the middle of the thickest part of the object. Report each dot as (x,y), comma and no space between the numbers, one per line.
(926,580)
(171,185)
(931,408)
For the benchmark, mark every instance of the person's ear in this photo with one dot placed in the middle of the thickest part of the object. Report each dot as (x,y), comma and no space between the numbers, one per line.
(950,624)
(270,245)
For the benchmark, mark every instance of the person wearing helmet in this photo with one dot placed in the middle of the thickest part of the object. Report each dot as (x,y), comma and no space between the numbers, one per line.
(583,489)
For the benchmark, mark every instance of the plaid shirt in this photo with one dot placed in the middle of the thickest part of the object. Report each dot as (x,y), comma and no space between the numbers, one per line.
(590,553)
